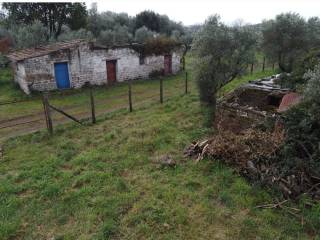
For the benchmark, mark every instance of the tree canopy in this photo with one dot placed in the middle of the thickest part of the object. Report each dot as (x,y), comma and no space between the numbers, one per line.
(288,37)
(220,53)
(51,15)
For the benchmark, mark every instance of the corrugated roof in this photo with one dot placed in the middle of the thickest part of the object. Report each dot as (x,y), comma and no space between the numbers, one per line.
(42,50)
(289,100)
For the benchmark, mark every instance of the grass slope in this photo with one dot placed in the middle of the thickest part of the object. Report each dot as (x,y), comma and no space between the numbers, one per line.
(100,182)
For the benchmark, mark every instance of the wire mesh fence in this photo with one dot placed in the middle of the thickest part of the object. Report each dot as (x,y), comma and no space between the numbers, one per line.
(25,116)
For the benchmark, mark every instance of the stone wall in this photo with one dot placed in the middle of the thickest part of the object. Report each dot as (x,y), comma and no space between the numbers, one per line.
(20,76)
(88,65)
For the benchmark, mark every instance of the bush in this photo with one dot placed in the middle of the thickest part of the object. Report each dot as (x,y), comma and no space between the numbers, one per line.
(157,46)
(4,61)
(301,149)
(156,73)
(296,79)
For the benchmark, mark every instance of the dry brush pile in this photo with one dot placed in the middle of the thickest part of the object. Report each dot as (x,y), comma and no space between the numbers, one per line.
(253,152)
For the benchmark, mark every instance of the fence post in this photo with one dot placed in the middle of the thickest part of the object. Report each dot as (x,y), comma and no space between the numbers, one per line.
(273,67)
(161,90)
(251,68)
(130,95)
(93,109)
(264,63)
(183,63)
(186,83)
(47,112)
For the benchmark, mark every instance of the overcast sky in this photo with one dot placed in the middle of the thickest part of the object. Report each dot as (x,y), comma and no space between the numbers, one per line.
(196,11)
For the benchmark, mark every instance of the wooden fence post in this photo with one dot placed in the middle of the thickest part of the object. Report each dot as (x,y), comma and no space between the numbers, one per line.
(251,68)
(263,64)
(93,109)
(161,90)
(273,66)
(47,112)
(130,95)
(186,83)
(183,63)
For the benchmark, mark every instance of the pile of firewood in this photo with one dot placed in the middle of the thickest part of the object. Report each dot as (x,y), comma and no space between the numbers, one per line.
(253,154)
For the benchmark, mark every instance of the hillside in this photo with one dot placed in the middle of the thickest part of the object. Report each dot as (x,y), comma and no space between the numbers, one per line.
(104,182)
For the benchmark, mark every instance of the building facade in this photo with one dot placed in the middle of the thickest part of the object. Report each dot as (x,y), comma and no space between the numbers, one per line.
(71,64)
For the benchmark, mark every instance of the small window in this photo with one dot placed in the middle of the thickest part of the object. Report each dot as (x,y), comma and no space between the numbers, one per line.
(141,59)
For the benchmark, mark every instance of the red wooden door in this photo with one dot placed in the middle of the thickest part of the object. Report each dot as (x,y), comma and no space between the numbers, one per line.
(167,64)
(111,72)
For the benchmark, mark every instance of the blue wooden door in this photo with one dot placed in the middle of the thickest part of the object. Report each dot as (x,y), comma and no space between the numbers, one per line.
(62,75)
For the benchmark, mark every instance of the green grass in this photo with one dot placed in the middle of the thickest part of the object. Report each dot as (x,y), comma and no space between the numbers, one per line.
(77,101)
(245,79)
(101,182)
(8,90)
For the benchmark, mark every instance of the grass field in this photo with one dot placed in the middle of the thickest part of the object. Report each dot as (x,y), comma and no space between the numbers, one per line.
(78,100)
(101,182)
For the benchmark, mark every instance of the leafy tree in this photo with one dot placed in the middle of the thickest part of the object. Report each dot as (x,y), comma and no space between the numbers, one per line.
(78,16)
(313,31)
(143,34)
(29,35)
(165,25)
(68,34)
(119,36)
(220,53)
(93,19)
(106,37)
(285,39)
(122,35)
(149,19)
(176,35)
(108,21)
(51,15)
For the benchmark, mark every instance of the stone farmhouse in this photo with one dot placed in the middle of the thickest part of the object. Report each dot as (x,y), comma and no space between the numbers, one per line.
(71,64)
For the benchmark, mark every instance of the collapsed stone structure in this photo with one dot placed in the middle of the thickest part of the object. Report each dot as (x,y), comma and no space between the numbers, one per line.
(260,98)
(71,64)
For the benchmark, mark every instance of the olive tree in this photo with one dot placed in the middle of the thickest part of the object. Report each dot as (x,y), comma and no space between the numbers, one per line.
(220,54)
(29,35)
(143,34)
(119,36)
(313,31)
(285,39)
(106,37)
(122,35)
(67,34)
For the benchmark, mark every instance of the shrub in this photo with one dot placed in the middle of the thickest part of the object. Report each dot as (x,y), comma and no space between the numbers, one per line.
(159,46)
(296,79)
(301,149)
(156,73)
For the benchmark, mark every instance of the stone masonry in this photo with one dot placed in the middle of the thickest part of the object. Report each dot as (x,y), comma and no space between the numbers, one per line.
(87,64)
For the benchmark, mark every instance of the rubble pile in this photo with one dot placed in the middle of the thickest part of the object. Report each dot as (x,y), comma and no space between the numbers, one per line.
(253,151)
